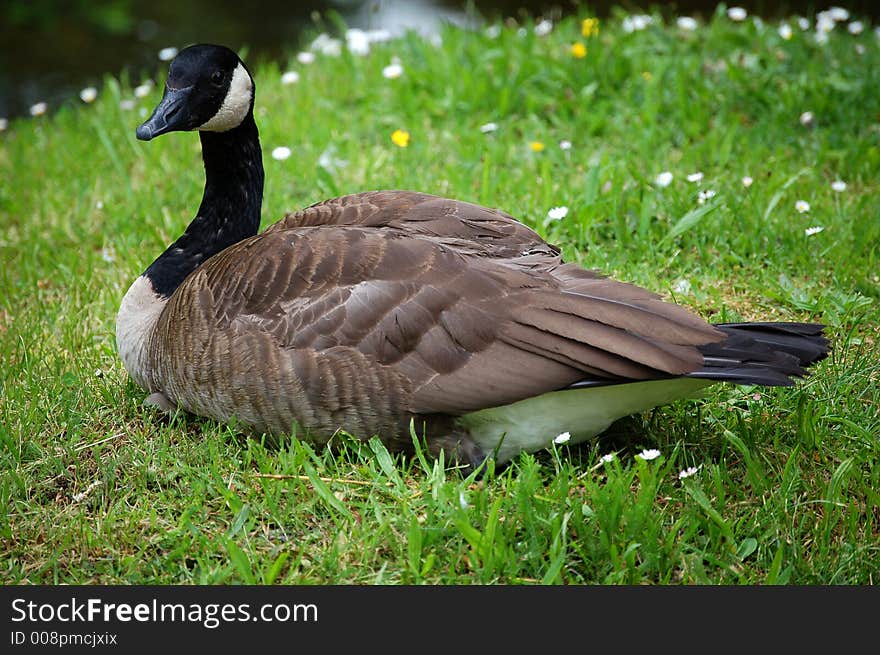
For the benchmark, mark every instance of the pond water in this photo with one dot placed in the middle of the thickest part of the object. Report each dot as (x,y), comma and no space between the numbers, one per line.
(50,50)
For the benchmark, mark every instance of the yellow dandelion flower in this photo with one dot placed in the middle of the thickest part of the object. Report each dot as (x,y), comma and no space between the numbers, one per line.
(400,138)
(589,27)
(578,50)
(536,146)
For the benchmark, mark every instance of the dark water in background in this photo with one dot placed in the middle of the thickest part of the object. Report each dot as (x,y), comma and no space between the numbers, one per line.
(50,49)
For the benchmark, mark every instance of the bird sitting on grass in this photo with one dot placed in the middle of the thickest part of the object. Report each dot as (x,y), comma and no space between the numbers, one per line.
(383,312)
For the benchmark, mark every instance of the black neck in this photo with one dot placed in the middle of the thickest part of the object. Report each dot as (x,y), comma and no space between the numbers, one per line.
(230,209)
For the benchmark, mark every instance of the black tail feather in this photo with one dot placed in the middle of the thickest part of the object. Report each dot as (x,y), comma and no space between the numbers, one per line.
(768,354)
(763,353)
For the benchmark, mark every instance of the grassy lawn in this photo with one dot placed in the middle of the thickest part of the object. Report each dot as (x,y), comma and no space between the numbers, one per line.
(95,488)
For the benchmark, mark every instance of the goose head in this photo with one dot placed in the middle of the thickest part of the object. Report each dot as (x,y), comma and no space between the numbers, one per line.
(208,89)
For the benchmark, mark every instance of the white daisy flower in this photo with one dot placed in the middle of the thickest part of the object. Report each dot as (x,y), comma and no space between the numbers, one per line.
(332,48)
(824,24)
(167,54)
(856,27)
(605,459)
(290,77)
(143,90)
(357,41)
(860,49)
(695,177)
(636,23)
(38,109)
(839,186)
(806,118)
(392,71)
(281,153)
(642,21)
(543,28)
(88,94)
(705,195)
(305,57)
(737,14)
(488,127)
(557,213)
(682,286)
(326,45)
(493,31)
(686,23)
(747,181)
(565,144)
(810,231)
(785,31)
(688,472)
(838,14)
(127,104)
(663,179)
(802,206)
(649,454)
(803,23)
(108,254)
(562,438)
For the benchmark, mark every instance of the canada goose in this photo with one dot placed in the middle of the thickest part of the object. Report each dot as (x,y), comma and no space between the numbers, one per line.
(376,310)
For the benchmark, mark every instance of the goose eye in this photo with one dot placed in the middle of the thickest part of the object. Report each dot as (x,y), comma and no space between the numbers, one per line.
(217,77)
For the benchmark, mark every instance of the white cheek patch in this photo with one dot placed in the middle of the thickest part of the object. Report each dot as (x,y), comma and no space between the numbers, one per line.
(236,104)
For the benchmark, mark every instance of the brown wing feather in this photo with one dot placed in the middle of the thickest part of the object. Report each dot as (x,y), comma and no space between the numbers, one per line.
(363,328)
(462,226)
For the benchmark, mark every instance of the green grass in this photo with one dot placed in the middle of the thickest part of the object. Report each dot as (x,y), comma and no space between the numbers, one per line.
(95,488)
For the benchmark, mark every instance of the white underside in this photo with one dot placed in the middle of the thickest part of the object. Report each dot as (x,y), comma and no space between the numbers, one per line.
(138,314)
(533,423)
